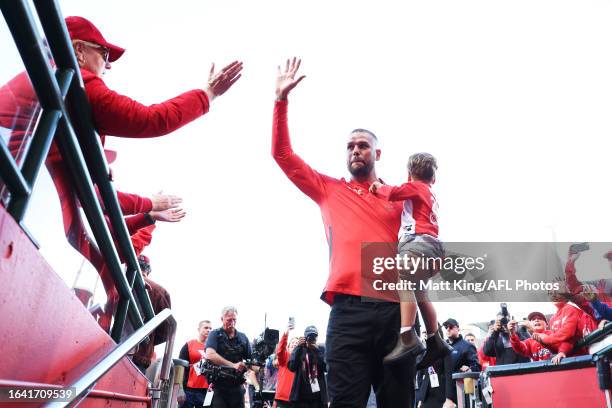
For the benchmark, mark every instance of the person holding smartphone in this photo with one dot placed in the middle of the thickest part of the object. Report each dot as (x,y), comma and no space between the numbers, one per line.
(285,376)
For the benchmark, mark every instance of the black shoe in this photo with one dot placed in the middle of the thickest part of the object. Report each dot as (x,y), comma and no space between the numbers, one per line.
(437,348)
(408,345)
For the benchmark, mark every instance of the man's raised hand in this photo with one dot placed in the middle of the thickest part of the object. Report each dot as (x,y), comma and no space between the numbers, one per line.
(285,81)
(221,81)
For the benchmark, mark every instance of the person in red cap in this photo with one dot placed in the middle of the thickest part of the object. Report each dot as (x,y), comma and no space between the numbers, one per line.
(530,347)
(118,115)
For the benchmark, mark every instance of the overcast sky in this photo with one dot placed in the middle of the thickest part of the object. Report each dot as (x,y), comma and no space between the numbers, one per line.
(513,98)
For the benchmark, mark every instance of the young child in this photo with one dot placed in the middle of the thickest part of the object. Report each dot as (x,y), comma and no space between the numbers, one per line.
(418,237)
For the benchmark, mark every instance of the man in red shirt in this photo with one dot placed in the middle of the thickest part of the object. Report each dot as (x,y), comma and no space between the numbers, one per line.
(359,333)
(195,384)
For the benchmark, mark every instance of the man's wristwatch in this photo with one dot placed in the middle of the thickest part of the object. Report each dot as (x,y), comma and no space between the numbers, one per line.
(149,219)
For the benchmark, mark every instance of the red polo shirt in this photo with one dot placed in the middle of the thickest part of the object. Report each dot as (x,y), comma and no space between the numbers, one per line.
(351,215)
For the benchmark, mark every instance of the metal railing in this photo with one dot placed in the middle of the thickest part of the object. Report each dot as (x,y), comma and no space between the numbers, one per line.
(82,155)
(86,382)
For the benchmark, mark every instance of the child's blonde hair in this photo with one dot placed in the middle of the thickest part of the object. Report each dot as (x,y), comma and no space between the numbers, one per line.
(422,167)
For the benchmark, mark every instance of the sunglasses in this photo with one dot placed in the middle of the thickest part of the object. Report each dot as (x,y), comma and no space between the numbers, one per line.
(105,52)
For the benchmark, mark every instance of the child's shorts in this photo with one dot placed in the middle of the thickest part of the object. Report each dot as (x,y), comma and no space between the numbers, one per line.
(421,245)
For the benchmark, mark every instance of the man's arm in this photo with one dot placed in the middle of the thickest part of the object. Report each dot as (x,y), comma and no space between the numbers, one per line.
(119,115)
(471,357)
(604,310)
(573,284)
(488,348)
(215,358)
(301,174)
(184,355)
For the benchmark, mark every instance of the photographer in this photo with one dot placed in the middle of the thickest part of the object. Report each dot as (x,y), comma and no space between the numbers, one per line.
(309,388)
(498,344)
(228,347)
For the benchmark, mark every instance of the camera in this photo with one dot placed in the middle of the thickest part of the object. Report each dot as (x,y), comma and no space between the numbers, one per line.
(505,316)
(263,346)
(215,373)
(311,338)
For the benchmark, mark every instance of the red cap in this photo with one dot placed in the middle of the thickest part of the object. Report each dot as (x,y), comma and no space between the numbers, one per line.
(82,29)
(539,315)
(608,255)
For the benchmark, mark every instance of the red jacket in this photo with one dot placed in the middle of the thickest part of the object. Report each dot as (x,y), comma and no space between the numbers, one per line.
(565,328)
(118,115)
(351,215)
(285,376)
(530,347)
(133,203)
(113,114)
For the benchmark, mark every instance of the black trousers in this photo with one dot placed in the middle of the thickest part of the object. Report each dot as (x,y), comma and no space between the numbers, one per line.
(228,397)
(359,335)
(194,397)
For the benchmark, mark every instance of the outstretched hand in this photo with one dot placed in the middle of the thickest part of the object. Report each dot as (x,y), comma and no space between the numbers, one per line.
(285,81)
(169,215)
(163,201)
(221,81)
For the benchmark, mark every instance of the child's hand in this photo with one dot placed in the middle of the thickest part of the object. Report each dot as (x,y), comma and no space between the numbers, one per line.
(375,186)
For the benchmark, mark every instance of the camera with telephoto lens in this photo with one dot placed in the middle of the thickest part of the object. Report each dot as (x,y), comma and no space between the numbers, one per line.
(263,347)
(215,373)
(311,338)
(505,316)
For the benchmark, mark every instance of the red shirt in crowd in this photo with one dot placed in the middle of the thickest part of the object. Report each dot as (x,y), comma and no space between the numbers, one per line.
(565,328)
(196,351)
(285,376)
(530,347)
(419,215)
(351,215)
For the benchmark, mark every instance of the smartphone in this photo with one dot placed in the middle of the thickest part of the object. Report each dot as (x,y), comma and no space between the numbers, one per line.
(575,248)
(292,322)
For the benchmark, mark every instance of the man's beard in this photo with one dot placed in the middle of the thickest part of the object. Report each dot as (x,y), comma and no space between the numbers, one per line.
(362,171)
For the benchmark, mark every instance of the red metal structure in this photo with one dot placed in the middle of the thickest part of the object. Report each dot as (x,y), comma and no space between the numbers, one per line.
(53,351)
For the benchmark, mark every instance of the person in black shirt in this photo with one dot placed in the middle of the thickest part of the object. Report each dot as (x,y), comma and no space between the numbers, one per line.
(463,358)
(228,347)
(309,389)
(498,345)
